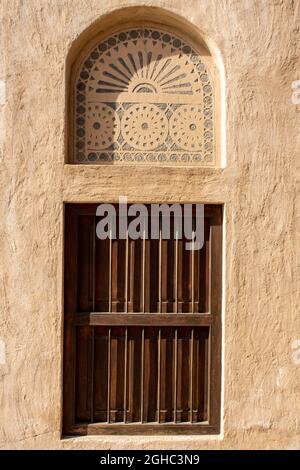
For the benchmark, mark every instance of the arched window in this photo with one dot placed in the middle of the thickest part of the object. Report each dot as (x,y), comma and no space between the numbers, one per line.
(144,95)
(142,347)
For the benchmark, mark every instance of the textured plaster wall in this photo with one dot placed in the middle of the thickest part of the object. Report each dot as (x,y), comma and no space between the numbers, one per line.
(259,42)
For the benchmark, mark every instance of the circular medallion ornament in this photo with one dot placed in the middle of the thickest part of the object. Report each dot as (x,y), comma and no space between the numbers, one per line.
(144,127)
(186,126)
(103,126)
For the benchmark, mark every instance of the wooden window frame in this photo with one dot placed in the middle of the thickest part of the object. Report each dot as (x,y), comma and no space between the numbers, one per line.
(72,318)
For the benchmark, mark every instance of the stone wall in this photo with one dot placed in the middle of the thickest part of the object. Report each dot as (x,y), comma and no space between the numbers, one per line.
(259,44)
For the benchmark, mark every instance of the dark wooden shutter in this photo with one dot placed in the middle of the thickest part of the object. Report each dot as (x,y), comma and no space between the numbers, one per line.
(142,330)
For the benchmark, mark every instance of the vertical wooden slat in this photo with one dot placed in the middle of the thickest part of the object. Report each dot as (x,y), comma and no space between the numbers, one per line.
(126,272)
(176,272)
(134,374)
(135,280)
(83,373)
(197,360)
(180,268)
(117,352)
(92,353)
(108,374)
(193,274)
(114,267)
(94,263)
(118,276)
(150,374)
(200,374)
(142,375)
(131,376)
(85,265)
(167,369)
(204,271)
(175,374)
(131,275)
(100,373)
(163,376)
(168,272)
(183,374)
(121,268)
(149,266)
(114,369)
(152,273)
(180,372)
(110,275)
(184,277)
(158,374)
(125,375)
(191,375)
(209,382)
(206,376)
(102,275)
(164,275)
(196,280)
(203,366)
(208,271)
(143,271)
(160,270)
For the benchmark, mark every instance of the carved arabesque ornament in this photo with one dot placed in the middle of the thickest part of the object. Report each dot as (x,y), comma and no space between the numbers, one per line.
(144,95)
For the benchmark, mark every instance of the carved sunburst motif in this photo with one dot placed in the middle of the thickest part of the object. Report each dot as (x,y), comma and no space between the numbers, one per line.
(144,90)
(145,67)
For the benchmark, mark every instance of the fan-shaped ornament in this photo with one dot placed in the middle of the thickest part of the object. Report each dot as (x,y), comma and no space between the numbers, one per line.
(144,96)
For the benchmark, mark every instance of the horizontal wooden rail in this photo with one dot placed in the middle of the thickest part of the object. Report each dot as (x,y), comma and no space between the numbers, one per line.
(149,428)
(151,319)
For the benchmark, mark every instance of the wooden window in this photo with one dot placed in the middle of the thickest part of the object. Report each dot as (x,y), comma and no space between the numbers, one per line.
(142,341)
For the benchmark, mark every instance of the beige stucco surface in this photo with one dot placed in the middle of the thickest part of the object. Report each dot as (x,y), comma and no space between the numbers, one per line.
(259,42)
